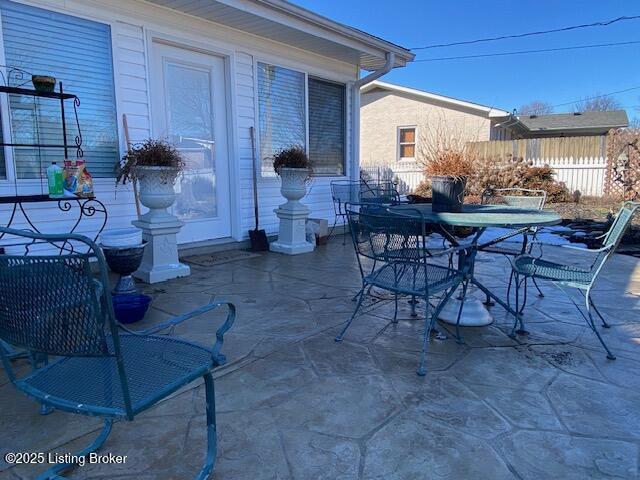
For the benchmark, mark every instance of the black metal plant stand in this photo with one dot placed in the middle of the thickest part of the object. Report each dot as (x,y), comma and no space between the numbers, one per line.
(87,207)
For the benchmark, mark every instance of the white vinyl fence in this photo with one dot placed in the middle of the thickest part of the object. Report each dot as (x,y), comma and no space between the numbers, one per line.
(579,162)
(406,175)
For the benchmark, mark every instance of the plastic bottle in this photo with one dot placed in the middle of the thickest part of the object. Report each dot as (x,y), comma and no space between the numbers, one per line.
(54,179)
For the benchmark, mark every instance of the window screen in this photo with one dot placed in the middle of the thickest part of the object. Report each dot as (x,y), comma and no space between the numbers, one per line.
(282,116)
(78,53)
(326,127)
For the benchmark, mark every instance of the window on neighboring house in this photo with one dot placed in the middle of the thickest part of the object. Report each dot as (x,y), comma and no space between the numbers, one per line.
(407,143)
(287,100)
(78,53)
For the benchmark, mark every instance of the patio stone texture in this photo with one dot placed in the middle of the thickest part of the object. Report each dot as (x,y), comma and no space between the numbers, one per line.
(294,404)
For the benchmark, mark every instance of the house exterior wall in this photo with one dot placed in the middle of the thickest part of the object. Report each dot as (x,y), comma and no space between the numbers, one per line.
(134,26)
(383,112)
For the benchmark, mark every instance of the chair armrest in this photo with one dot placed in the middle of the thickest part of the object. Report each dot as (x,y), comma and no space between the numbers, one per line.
(218,358)
(587,250)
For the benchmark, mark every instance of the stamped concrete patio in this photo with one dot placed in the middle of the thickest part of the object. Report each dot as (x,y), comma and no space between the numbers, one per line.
(293,404)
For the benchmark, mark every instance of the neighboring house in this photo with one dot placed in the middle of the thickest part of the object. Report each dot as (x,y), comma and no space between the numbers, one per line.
(397,124)
(576,124)
(201,74)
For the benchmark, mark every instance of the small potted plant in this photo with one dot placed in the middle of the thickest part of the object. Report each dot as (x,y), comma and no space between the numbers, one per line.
(294,169)
(449,170)
(155,165)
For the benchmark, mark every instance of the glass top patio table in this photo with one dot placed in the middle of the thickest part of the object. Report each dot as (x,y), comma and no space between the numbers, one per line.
(478,217)
(482,216)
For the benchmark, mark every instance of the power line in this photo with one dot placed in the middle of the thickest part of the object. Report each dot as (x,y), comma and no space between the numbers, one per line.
(520,52)
(596,96)
(520,35)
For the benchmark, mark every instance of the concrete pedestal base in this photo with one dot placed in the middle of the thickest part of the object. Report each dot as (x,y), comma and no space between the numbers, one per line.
(292,236)
(474,313)
(160,261)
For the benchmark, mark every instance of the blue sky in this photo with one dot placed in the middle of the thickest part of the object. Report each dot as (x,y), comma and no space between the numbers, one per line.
(505,82)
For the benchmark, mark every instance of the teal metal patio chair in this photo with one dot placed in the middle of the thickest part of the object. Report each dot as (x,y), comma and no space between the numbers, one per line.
(53,305)
(345,192)
(568,276)
(530,199)
(402,266)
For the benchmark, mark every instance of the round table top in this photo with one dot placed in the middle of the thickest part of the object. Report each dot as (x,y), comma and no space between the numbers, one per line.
(483,216)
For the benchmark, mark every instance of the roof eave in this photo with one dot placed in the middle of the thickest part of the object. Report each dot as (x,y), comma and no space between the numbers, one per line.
(489,111)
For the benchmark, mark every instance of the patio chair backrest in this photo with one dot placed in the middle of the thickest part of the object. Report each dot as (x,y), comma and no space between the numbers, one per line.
(517,197)
(382,192)
(51,303)
(614,236)
(343,192)
(620,224)
(387,237)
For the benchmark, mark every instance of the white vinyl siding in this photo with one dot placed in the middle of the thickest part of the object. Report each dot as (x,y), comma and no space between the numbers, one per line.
(78,53)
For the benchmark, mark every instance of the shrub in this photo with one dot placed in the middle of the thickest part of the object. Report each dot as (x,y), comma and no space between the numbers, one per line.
(509,172)
(449,162)
(151,153)
(292,157)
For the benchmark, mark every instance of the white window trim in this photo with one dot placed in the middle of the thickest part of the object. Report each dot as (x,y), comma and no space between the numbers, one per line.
(398,143)
(276,63)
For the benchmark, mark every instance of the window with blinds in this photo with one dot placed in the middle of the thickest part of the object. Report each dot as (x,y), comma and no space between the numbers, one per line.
(281,112)
(326,127)
(78,53)
(286,103)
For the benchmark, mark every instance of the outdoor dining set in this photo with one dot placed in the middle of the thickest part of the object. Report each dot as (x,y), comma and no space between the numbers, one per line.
(56,313)
(392,242)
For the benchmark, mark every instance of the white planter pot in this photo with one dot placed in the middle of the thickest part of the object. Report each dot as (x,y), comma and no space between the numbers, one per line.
(292,214)
(156,189)
(159,227)
(293,186)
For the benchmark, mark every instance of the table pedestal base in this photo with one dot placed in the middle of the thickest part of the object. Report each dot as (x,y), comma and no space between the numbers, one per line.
(474,314)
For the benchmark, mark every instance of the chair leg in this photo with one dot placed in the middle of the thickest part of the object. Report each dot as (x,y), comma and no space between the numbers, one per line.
(465,285)
(540,294)
(355,312)
(395,310)
(518,316)
(210,459)
(428,325)
(509,288)
(524,296)
(53,472)
(593,327)
(593,305)
(429,322)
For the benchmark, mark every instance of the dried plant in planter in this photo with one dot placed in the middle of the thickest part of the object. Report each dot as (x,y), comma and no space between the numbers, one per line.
(151,153)
(449,163)
(292,157)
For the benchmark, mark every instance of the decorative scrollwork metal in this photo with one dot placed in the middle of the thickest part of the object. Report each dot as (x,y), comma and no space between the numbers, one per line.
(78,137)
(87,208)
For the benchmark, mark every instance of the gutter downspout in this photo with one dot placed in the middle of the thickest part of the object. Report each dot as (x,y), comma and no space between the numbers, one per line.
(355,111)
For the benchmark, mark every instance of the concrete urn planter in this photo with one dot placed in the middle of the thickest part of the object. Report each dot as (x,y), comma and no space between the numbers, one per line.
(292,214)
(293,185)
(157,189)
(159,226)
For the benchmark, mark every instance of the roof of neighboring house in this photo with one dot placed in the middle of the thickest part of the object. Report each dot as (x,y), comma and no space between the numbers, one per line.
(284,22)
(575,121)
(433,97)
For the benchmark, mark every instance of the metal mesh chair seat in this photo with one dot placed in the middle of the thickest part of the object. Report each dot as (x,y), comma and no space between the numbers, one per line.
(53,306)
(531,266)
(409,278)
(154,364)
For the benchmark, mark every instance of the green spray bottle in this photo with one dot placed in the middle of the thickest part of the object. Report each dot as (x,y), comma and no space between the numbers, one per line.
(54,179)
